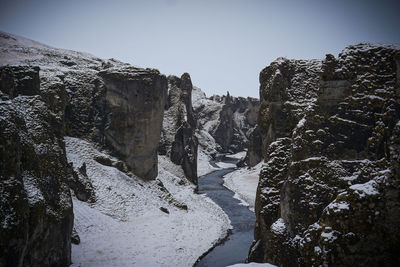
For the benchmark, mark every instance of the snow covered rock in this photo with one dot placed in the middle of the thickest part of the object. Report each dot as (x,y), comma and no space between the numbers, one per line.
(227,120)
(254,151)
(178,138)
(47,93)
(112,103)
(21,80)
(330,131)
(133,114)
(36,215)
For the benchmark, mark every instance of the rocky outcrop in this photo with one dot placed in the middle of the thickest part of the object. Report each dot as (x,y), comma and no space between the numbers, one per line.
(120,108)
(228,120)
(20,80)
(135,100)
(111,103)
(179,125)
(254,151)
(223,133)
(114,104)
(35,205)
(329,190)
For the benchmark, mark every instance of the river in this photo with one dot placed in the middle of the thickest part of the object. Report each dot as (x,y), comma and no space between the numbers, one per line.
(235,247)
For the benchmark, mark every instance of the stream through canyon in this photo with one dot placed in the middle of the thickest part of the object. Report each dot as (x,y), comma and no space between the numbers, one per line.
(235,247)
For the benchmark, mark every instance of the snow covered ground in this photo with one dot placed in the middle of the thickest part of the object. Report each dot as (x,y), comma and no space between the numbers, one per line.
(244,183)
(239,155)
(203,163)
(125,226)
(253,264)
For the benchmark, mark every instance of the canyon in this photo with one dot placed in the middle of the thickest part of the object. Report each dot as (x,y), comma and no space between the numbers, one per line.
(96,150)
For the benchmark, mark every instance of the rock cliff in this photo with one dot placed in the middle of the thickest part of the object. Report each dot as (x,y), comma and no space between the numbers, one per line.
(109,102)
(134,100)
(178,138)
(329,189)
(225,120)
(35,205)
(115,105)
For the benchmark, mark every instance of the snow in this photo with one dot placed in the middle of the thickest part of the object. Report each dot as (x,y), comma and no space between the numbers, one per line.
(32,191)
(317,250)
(337,206)
(253,264)
(238,155)
(278,227)
(329,236)
(225,165)
(364,189)
(197,95)
(207,145)
(301,123)
(125,226)
(244,183)
(203,163)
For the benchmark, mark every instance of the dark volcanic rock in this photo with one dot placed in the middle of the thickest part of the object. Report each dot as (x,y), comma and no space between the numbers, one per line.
(224,132)
(80,183)
(107,102)
(135,99)
(254,151)
(184,151)
(75,238)
(19,80)
(35,205)
(329,191)
(229,120)
(178,133)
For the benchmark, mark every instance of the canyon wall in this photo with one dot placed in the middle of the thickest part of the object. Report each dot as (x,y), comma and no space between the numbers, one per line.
(46,94)
(178,139)
(329,189)
(35,205)
(227,120)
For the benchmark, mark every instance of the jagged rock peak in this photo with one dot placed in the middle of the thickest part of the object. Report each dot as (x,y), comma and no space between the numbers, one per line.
(178,138)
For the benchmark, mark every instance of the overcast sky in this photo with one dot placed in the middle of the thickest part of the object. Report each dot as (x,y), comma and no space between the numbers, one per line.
(223,44)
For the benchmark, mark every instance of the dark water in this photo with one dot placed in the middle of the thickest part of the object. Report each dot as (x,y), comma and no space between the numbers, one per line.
(236,246)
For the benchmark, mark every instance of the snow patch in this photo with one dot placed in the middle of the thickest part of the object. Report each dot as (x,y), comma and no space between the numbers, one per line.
(368,188)
(336,206)
(243,182)
(252,264)
(238,155)
(278,227)
(203,163)
(225,165)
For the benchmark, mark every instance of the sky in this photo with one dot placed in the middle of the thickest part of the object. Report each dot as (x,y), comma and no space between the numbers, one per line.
(223,44)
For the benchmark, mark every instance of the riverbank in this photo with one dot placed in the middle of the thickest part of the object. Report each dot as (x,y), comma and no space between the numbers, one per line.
(234,248)
(126,226)
(244,182)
